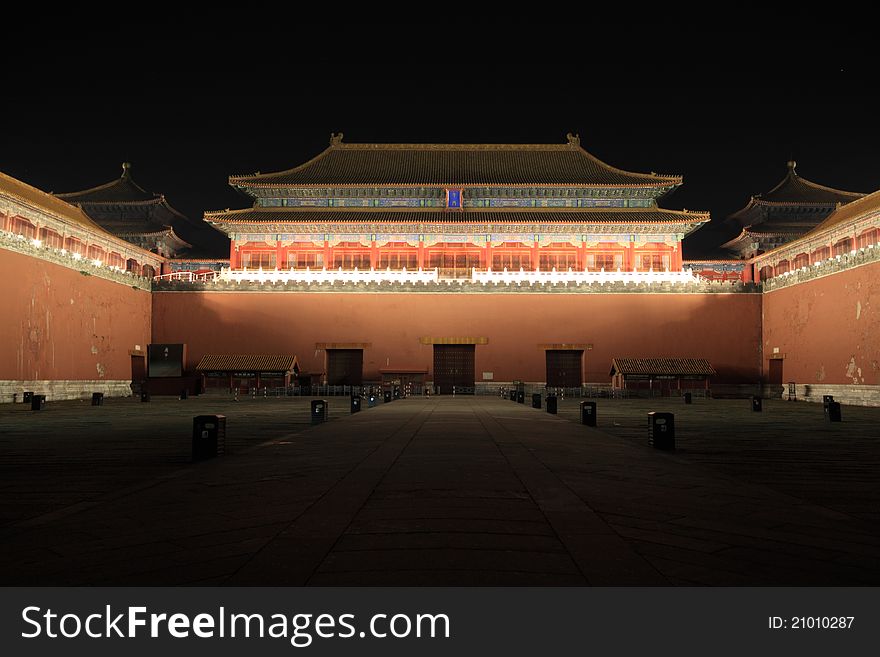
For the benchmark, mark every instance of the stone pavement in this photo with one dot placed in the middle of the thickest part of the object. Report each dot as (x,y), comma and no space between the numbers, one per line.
(439,491)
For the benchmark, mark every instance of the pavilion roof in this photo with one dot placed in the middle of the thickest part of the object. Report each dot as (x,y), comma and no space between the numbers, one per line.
(795,191)
(454,164)
(121,190)
(662,366)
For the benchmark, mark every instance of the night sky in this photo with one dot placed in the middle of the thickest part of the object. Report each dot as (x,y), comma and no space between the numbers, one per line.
(726,110)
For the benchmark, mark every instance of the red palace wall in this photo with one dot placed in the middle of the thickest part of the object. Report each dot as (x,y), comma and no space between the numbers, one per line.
(724,328)
(57,324)
(827,328)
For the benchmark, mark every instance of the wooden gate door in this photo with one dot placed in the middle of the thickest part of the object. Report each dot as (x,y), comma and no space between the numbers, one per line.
(454,367)
(564,368)
(345,367)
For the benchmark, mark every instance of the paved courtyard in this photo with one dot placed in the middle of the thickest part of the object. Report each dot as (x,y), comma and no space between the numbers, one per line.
(439,491)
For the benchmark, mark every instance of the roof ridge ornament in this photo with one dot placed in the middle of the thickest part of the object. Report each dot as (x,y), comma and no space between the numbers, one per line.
(573,139)
(126,169)
(335,138)
(791,166)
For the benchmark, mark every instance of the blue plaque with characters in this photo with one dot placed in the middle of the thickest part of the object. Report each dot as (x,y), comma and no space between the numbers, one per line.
(453,199)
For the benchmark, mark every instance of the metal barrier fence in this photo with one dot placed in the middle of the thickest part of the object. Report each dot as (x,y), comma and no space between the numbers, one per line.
(312,391)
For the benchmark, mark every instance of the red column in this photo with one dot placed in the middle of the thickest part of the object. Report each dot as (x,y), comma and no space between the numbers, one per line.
(536,259)
(279,255)
(748,273)
(328,255)
(630,258)
(582,256)
(421,254)
(233,255)
(677,259)
(487,255)
(374,255)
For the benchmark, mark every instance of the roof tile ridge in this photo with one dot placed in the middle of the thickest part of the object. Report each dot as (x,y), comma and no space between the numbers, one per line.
(657,177)
(258,176)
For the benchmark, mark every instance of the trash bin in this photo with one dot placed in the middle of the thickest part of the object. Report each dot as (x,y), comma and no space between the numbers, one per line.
(145,396)
(688,398)
(26,397)
(521,397)
(319,411)
(513,395)
(832,411)
(183,394)
(661,428)
(387,397)
(97,399)
(37,402)
(536,400)
(209,436)
(757,404)
(588,413)
(551,404)
(355,403)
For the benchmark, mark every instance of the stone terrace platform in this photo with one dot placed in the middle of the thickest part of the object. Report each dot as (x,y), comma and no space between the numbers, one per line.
(439,491)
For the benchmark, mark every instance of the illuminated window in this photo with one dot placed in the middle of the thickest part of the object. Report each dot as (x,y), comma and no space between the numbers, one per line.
(50,238)
(350,260)
(561,261)
(74,245)
(258,259)
(24,227)
(843,246)
(303,259)
(867,238)
(96,253)
(606,261)
(821,254)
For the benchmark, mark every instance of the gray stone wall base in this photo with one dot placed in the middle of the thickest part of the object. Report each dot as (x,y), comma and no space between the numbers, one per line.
(860,395)
(11,391)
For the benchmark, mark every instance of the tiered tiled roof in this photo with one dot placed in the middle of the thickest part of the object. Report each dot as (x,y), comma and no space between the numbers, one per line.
(792,208)
(454,164)
(795,189)
(662,366)
(129,211)
(121,190)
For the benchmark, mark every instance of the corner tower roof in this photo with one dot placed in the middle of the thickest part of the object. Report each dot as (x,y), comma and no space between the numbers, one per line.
(122,190)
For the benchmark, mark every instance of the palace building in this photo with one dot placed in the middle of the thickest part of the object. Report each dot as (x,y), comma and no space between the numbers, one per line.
(792,208)
(454,267)
(456,209)
(127,210)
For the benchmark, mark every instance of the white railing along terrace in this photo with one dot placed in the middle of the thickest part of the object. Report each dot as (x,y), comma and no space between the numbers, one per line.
(486,277)
(328,276)
(554,277)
